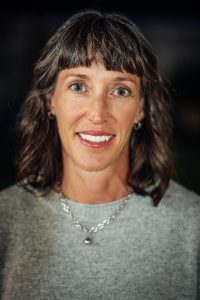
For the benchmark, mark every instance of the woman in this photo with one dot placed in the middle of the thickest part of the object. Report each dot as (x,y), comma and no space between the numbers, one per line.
(96,215)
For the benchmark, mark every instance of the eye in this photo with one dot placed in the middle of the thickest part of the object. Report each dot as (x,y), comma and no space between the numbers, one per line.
(77,87)
(122,92)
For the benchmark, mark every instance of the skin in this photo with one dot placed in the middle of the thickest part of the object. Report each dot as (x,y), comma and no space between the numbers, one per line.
(81,101)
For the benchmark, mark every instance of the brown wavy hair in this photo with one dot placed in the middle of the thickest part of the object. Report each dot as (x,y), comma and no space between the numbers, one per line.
(120,45)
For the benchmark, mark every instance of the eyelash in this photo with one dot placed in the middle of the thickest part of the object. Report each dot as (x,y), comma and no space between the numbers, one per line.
(81,83)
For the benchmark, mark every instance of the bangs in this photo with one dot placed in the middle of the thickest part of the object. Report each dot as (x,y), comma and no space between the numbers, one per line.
(101,40)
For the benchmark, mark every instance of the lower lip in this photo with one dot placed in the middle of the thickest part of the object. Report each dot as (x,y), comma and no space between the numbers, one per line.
(95,144)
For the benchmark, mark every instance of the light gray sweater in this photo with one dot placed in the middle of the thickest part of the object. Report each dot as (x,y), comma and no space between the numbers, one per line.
(146,253)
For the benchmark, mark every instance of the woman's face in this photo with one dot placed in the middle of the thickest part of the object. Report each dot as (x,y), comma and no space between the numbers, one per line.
(95,111)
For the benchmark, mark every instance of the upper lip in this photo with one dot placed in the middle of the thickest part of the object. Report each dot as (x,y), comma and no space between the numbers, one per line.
(96,132)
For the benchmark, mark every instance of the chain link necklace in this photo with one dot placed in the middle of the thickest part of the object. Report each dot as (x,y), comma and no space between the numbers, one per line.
(88,240)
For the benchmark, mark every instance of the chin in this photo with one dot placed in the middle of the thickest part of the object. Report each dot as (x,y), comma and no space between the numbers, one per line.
(94,166)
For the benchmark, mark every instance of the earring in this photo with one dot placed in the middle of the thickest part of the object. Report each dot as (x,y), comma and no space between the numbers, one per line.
(50,115)
(137,126)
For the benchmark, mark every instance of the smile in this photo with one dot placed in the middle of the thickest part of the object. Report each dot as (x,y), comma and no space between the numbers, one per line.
(95,138)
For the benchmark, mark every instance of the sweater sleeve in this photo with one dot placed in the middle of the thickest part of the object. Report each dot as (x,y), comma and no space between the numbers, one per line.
(4,237)
(9,199)
(198,267)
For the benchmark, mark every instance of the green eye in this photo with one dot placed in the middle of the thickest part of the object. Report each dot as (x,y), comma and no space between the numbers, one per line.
(122,92)
(77,87)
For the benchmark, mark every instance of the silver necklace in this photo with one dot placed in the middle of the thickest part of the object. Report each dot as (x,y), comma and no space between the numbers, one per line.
(88,240)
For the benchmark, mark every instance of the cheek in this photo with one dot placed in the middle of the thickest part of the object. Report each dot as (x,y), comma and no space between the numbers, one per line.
(126,117)
(67,110)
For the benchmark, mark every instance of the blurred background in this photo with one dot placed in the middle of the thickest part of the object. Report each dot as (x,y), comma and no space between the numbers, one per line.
(172,27)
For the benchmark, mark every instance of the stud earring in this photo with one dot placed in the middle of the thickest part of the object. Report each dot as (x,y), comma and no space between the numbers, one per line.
(137,126)
(50,115)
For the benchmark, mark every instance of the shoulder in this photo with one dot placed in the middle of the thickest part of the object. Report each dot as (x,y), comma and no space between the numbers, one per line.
(19,206)
(11,207)
(12,195)
(11,191)
(15,200)
(177,194)
(180,199)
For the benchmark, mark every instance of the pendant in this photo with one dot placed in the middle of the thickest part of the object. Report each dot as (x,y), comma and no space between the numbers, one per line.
(88,240)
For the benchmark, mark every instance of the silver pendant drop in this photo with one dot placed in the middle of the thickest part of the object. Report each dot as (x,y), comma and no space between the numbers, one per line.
(88,240)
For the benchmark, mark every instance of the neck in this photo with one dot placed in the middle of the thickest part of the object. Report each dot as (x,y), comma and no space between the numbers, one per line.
(95,187)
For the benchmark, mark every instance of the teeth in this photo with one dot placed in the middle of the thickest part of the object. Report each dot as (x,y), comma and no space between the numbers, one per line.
(94,138)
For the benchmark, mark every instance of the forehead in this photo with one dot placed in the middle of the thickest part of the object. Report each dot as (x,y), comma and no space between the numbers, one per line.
(98,71)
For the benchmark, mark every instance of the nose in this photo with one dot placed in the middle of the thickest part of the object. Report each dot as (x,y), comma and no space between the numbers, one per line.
(98,110)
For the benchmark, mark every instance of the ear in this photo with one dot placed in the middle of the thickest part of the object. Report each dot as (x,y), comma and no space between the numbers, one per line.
(50,103)
(140,112)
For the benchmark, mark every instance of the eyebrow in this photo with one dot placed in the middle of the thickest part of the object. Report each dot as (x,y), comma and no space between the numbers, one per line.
(124,79)
(116,79)
(76,75)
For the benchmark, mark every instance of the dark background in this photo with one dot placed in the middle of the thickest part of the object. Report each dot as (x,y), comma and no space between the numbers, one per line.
(173,29)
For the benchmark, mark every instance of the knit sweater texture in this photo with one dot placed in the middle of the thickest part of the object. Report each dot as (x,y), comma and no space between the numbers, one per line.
(147,252)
